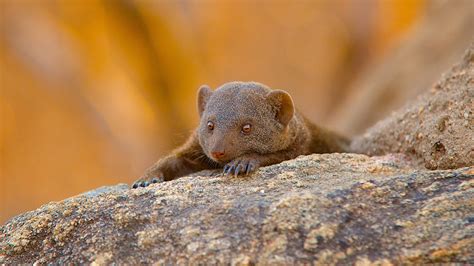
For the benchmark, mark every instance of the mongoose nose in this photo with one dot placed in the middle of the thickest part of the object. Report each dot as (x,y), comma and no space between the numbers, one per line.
(217,154)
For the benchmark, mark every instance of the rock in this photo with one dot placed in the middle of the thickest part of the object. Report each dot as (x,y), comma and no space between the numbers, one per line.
(437,130)
(326,209)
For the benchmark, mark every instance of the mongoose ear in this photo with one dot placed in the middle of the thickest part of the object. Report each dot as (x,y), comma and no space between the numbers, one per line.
(204,93)
(283,105)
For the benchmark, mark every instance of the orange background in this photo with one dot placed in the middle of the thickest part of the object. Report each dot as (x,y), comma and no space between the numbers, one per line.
(93,92)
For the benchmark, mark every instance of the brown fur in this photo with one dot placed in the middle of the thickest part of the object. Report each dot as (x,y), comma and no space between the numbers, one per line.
(278,133)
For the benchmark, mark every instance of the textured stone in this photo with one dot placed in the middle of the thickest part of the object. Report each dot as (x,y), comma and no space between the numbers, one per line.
(329,208)
(437,129)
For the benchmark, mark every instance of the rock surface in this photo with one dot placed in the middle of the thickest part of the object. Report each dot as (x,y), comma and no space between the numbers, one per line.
(437,130)
(329,208)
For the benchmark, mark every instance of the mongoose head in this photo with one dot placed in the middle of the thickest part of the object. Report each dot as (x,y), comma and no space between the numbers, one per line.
(242,118)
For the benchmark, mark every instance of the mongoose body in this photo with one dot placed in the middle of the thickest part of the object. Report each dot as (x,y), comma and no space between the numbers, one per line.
(243,126)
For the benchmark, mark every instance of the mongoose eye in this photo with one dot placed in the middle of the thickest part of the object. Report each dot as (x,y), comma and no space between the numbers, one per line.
(210,125)
(246,128)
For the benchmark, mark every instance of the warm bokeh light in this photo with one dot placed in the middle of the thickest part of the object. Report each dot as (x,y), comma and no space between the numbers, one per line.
(93,92)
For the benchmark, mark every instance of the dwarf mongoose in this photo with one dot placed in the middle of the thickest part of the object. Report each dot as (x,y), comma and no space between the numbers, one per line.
(243,125)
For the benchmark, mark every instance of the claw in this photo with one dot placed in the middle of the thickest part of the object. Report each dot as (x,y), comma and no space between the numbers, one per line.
(230,170)
(226,167)
(135,185)
(237,169)
(248,169)
(154,180)
(251,167)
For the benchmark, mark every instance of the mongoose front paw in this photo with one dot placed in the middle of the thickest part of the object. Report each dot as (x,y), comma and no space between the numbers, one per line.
(146,181)
(241,166)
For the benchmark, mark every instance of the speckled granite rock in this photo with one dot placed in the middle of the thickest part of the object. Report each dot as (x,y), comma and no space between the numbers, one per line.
(437,129)
(330,208)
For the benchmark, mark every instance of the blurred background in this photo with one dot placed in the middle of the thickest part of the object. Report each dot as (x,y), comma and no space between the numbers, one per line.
(93,92)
